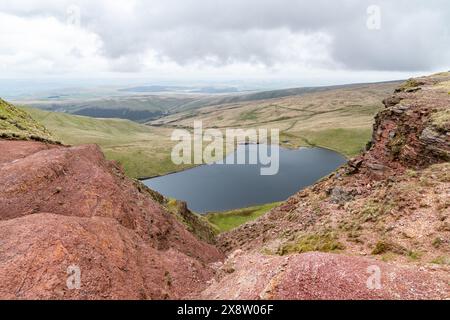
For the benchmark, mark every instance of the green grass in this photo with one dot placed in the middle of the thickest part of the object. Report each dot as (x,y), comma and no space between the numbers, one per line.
(322,242)
(383,247)
(228,220)
(444,260)
(347,141)
(18,124)
(411,83)
(250,115)
(441,120)
(414,255)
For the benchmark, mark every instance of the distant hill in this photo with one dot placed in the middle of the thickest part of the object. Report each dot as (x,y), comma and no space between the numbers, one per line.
(143,107)
(338,117)
(153,88)
(160,89)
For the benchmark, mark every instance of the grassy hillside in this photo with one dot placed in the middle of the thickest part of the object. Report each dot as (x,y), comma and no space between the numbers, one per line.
(145,106)
(337,118)
(340,119)
(143,151)
(18,124)
(228,220)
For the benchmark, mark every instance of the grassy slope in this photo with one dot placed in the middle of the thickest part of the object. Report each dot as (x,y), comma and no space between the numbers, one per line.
(348,141)
(227,220)
(18,124)
(143,151)
(107,98)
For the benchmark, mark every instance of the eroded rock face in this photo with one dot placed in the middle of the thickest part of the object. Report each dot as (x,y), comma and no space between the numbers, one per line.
(63,207)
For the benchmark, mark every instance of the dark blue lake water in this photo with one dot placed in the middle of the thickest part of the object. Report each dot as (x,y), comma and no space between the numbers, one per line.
(220,187)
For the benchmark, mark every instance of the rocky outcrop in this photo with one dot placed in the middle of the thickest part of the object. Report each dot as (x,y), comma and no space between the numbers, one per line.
(67,208)
(18,124)
(390,204)
(405,133)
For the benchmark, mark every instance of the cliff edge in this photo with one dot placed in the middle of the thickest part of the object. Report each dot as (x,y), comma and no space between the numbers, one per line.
(386,210)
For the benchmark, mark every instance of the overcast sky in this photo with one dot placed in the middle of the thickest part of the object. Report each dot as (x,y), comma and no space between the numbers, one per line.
(232,39)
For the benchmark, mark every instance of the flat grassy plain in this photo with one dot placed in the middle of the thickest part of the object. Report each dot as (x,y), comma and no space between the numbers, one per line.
(143,151)
(228,220)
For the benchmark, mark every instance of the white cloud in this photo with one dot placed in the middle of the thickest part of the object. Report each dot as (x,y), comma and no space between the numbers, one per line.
(43,44)
(203,37)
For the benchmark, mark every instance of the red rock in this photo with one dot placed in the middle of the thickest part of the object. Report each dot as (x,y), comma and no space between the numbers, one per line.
(320,276)
(63,206)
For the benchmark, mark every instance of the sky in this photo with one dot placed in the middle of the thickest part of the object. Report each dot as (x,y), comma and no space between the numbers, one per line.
(309,42)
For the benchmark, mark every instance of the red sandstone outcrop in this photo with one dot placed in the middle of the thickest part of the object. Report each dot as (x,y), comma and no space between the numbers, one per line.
(389,204)
(68,206)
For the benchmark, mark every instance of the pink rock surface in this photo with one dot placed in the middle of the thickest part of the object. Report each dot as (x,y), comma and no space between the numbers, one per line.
(64,206)
(317,276)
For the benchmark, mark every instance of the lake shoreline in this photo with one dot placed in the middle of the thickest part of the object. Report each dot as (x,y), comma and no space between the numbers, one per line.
(219,187)
(204,164)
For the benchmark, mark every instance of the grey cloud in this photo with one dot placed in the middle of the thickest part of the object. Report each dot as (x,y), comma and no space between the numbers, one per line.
(414,34)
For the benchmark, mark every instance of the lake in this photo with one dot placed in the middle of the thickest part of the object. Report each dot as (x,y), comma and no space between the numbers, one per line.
(220,187)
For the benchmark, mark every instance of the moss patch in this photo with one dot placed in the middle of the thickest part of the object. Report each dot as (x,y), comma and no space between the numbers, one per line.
(411,84)
(323,242)
(396,145)
(441,120)
(382,247)
(228,220)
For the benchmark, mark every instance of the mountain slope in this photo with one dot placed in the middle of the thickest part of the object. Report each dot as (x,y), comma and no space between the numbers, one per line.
(397,190)
(67,208)
(142,151)
(143,107)
(390,204)
(17,124)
